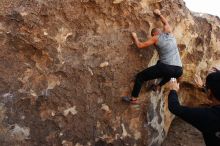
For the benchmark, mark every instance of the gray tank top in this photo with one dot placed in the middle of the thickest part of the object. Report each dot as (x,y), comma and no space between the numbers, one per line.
(168,50)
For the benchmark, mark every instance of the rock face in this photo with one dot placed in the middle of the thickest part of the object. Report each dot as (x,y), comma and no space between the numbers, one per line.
(64,64)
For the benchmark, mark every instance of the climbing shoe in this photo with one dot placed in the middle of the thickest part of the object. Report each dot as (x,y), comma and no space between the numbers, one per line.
(129,100)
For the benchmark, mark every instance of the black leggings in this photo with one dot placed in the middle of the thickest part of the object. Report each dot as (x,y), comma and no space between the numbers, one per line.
(160,70)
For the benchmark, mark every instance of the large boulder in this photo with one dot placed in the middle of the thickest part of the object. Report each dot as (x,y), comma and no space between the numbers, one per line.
(64,64)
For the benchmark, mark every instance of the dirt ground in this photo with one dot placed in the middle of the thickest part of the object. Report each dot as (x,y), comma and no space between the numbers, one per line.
(183,134)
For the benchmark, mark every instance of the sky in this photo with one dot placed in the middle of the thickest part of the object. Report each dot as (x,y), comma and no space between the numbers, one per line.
(204,6)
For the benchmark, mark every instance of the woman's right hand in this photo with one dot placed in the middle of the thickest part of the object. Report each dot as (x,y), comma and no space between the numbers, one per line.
(173,85)
(214,69)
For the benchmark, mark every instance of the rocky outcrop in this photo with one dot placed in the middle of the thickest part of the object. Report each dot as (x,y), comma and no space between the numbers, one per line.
(66,63)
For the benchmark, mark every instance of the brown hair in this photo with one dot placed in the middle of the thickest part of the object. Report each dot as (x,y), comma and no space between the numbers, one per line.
(154,30)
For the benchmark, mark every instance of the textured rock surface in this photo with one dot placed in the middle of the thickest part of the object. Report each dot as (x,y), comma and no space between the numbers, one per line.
(65,63)
(183,134)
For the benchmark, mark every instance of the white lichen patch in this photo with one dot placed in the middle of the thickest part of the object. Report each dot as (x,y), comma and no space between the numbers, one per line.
(124,131)
(45,33)
(78,144)
(52,81)
(71,110)
(7,95)
(53,113)
(137,135)
(90,71)
(104,64)
(67,143)
(20,133)
(62,35)
(33,93)
(117,1)
(105,108)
